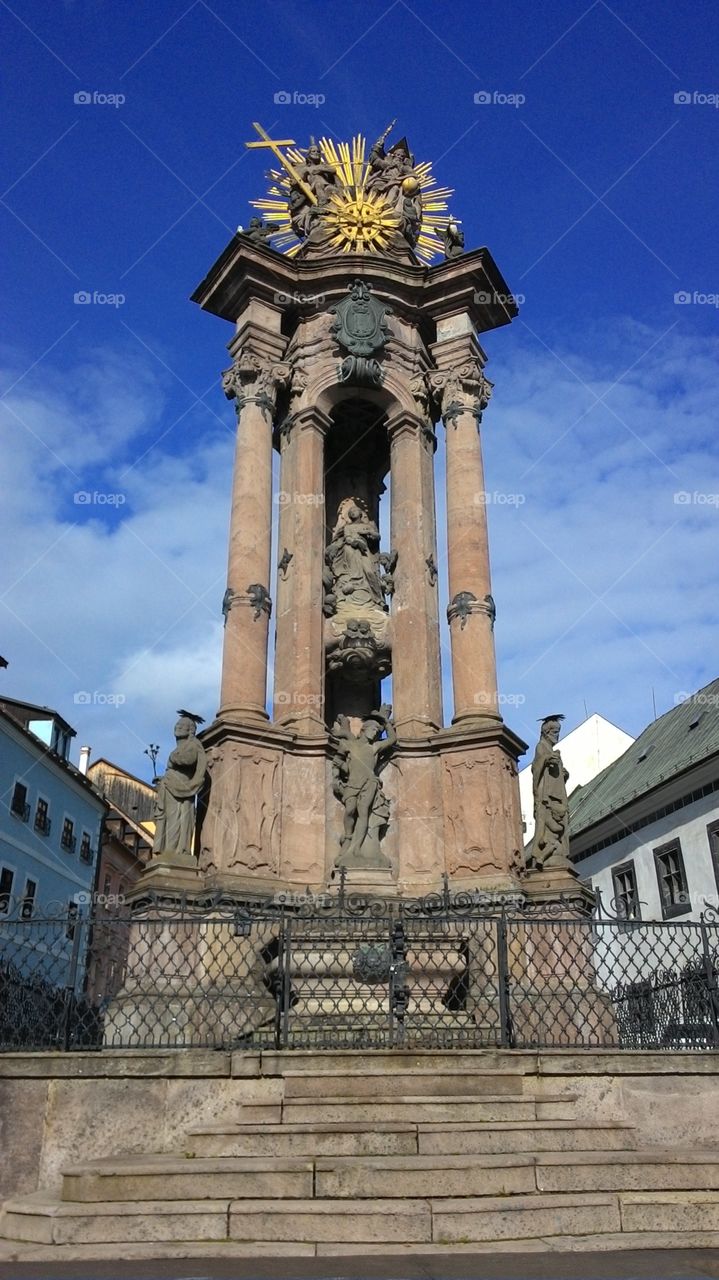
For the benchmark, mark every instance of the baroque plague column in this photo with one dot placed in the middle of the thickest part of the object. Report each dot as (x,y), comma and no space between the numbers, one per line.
(350,352)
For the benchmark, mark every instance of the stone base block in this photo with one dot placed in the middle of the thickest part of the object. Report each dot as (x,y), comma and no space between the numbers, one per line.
(350,1221)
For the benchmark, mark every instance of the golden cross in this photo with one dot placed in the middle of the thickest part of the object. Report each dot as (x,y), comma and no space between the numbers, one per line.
(274,146)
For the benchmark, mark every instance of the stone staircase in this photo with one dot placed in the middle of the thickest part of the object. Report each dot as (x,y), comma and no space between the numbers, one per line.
(385,1155)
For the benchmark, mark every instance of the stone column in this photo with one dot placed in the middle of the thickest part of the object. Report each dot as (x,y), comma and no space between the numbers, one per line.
(464,393)
(416,679)
(299,651)
(247,605)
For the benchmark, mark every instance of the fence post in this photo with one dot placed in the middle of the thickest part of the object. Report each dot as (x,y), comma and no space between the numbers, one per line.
(710,979)
(67,1027)
(505,1016)
(285,993)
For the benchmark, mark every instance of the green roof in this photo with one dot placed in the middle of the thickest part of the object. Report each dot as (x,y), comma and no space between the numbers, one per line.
(668,746)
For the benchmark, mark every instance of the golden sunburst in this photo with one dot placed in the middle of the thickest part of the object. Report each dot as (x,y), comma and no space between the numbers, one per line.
(358,220)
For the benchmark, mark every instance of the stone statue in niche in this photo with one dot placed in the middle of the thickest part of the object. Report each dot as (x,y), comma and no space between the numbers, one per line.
(356,766)
(353,558)
(550,844)
(177,789)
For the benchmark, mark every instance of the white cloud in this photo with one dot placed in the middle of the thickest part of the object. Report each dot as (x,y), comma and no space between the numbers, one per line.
(127,600)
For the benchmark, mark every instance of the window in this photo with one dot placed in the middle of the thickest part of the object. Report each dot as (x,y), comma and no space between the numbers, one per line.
(67,839)
(107,885)
(85,850)
(713,838)
(42,817)
(19,805)
(72,913)
(626,898)
(672,880)
(6,880)
(28,899)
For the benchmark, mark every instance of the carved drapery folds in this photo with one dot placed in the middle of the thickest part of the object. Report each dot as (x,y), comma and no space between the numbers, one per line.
(358,579)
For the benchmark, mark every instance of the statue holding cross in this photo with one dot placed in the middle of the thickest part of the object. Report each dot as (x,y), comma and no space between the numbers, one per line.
(311,182)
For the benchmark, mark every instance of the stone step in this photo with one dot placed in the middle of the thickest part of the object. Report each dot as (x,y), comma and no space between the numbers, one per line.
(508,1136)
(490,1137)
(556,1222)
(454,1108)
(303,1084)
(43,1220)
(383,1063)
(508,1175)
(673,1170)
(171,1177)
(303,1140)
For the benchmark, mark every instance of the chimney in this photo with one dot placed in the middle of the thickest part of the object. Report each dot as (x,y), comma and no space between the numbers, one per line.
(84,759)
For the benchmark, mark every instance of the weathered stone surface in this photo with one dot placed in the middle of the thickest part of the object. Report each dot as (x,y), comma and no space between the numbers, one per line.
(88,1119)
(412,1084)
(640,1170)
(529,1136)
(385,1063)
(520,1216)
(400,1176)
(164,1178)
(305,1140)
(122,1064)
(22,1116)
(667,1211)
(336,1220)
(56,1223)
(367,1111)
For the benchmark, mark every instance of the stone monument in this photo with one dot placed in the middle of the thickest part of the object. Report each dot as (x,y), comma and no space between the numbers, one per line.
(351,348)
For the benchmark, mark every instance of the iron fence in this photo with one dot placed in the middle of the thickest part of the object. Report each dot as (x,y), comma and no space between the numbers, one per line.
(448,971)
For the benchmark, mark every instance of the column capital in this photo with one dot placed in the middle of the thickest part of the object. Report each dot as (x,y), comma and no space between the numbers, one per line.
(462,389)
(253,379)
(405,422)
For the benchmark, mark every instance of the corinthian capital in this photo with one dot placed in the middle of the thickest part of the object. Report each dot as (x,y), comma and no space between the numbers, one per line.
(250,380)
(463,389)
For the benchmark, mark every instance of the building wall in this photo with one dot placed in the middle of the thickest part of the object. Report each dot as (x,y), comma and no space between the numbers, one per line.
(689,826)
(585,751)
(33,952)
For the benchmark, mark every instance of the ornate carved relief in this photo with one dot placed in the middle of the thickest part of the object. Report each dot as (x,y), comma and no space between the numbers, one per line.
(480,813)
(241,832)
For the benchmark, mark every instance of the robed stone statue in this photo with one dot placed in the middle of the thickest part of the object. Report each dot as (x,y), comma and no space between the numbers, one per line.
(177,789)
(550,844)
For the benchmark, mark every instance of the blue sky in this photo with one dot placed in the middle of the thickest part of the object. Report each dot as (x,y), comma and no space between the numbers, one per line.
(596,196)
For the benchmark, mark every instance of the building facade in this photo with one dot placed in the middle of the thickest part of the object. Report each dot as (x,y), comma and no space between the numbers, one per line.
(645,831)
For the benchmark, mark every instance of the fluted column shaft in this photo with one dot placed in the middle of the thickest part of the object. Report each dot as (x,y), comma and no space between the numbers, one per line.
(416,680)
(299,653)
